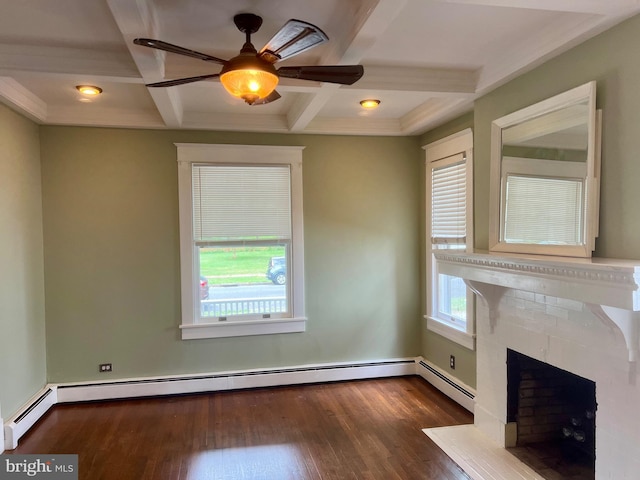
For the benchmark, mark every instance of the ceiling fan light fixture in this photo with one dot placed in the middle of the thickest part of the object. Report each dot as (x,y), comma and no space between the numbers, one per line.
(248,78)
(90,90)
(370,103)
(250,85)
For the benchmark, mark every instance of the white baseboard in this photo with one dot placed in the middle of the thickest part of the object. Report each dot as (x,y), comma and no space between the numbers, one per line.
(173,385)
(450,386)
(220,381)
(53,394)
(27,416)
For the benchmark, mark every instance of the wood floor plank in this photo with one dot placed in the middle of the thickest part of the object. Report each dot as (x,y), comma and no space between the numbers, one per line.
(360,430)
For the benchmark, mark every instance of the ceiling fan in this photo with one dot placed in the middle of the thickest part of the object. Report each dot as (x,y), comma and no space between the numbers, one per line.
(251,75)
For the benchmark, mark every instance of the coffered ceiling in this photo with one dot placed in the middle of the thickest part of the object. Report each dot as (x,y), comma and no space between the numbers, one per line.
(426,60)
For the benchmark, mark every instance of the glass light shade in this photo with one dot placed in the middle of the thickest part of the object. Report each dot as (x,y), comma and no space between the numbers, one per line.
(249,84)
(89,89)
(370,103)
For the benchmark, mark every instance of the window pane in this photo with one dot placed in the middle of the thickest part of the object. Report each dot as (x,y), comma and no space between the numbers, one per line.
(241,202)
(243,280)
(448,202)
(452,301)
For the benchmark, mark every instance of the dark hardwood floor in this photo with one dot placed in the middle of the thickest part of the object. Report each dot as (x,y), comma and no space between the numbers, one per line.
(368,429)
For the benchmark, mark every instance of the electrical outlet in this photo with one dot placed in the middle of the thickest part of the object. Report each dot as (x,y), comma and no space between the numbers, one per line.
(452,362)
(105,367)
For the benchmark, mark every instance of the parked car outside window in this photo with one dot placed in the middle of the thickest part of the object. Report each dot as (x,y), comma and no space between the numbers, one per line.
(277,270)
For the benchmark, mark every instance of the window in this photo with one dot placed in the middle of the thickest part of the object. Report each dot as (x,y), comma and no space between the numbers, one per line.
(241,245)
(449,212)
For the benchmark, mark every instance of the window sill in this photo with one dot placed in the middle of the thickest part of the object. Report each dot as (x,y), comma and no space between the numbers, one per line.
(242,328)
(465,339)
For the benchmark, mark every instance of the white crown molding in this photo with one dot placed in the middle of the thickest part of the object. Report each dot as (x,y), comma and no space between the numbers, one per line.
(557,37)
(15,95)
(435,110)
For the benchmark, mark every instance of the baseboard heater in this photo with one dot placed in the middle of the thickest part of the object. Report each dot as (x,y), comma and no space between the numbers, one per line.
(26,417)
(53,394)
(19,424)
(454,389)
(232,380)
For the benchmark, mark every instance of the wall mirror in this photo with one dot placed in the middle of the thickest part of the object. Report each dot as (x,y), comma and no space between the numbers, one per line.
(545,173)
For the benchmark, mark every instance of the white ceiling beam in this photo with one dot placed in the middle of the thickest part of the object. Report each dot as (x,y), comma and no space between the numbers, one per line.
(18,97)
(307,107)
(362,29)
(138,19)
(355,126)
(45,59)
(236,122)
(403,79)
(597,7)
(104,117)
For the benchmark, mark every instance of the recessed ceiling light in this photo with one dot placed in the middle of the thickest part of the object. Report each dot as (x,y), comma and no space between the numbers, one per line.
(90,90)
(370,103)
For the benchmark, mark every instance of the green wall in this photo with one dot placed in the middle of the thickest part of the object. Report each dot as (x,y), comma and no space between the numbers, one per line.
(112,258)
(22,327)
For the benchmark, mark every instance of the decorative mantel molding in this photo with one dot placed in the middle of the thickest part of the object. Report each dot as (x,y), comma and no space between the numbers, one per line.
(609,287)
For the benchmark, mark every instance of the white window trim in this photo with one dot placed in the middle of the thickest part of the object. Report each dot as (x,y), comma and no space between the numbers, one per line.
(461,142)
(190,153)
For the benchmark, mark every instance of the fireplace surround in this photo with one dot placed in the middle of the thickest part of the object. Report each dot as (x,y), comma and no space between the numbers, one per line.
(579,315)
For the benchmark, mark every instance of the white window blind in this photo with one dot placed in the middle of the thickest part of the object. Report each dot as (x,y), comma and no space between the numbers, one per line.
(235,203)
(449,201)
(552,217)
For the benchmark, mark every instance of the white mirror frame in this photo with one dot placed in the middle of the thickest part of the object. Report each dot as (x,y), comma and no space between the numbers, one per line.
(591,203)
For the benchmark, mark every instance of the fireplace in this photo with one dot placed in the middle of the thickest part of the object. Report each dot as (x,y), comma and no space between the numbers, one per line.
(581,316)
(555,416)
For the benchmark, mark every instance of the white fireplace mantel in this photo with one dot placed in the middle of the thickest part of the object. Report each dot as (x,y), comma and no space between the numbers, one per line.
(609,287)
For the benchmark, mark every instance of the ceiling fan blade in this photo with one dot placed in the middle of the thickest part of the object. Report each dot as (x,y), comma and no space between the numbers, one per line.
(182,81)
(272,97)
(342,74)
(169,47)
(295,37)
